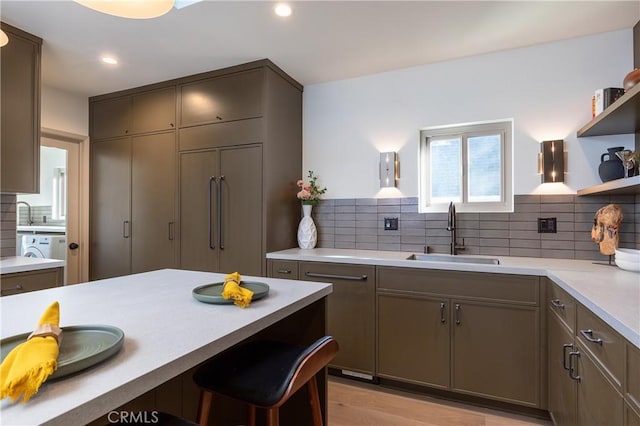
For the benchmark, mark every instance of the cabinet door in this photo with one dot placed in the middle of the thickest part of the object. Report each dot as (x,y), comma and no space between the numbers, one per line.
(110,118)
(350,312)
(599,403)
(20,113)
(562,389)
(110,254)
(153,180)
(154,111)
(240,211)
(413,339)
(231,97)
(198,243)
(496,352)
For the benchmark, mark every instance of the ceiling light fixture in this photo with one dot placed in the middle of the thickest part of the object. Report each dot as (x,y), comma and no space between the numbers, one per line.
(283,9)
(134,9)
(109,60)
(4,39)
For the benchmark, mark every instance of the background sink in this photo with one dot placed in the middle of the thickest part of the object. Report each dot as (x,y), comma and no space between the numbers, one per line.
(453,259)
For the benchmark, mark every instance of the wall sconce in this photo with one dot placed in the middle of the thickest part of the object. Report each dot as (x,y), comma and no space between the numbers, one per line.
(388,169)
(551,161)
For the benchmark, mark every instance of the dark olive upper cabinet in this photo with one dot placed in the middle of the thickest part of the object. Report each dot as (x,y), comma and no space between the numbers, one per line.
(20,112)
(110,118)
(222,98)
(350,312)
(472,333)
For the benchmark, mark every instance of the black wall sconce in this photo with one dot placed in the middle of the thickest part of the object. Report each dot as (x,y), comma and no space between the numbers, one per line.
(551,161)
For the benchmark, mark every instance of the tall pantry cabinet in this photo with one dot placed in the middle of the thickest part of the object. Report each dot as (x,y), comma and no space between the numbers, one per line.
(236,156)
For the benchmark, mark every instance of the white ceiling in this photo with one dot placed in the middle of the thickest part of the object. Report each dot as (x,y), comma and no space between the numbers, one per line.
(322,40)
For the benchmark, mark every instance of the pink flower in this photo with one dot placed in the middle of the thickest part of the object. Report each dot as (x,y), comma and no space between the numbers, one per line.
(307,188)
(300,183)
(303,195)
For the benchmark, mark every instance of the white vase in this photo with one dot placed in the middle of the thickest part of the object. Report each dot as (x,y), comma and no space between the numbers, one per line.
(307,232)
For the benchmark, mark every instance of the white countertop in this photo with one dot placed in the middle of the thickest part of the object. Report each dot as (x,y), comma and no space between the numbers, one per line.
(166,331)
(10,265)
(608,291)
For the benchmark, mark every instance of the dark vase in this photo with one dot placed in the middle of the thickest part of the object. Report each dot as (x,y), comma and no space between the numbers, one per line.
(612,168)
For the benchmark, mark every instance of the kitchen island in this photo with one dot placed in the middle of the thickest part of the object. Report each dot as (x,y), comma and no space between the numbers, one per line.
(167,333)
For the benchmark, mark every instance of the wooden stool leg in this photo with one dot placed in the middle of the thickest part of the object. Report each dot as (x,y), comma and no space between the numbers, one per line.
(205,407)
(314,399)
(252,415)
(273,416)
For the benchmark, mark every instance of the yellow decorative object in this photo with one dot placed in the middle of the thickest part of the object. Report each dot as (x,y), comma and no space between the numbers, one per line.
(29,364)
(241,296)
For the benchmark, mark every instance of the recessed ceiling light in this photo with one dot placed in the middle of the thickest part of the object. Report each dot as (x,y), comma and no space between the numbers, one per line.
(283,9)
(109,60)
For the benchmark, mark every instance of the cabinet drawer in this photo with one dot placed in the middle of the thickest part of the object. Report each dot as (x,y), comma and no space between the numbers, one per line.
(287,269)
(23,282)
(227,98)
(480,286)
(603,342)
(221,134)
(563,305)
(633,376)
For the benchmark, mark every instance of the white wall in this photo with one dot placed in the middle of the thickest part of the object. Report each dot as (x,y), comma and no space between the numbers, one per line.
(50,159)
(64,111)
(546,89)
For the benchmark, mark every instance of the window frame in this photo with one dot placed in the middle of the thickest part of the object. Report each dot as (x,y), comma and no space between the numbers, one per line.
(463,131)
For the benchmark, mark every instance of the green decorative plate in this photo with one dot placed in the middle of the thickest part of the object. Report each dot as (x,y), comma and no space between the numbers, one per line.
(82,347)
(212,293)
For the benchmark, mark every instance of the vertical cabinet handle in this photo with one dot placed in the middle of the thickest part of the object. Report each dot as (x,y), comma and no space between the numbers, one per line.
(458,313)
(557,303)
(588,334)
(220,242)
(212,180)
(573,355)
(564,355)
(126,229)
(442,312)
(171,227)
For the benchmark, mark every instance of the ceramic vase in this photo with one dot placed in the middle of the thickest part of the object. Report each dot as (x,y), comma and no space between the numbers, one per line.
(307,232)
(612,168)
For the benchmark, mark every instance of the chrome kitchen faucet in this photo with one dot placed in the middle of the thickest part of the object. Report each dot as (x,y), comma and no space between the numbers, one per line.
(29,220)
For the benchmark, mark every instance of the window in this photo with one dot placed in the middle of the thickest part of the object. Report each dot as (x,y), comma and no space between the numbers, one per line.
(469,164)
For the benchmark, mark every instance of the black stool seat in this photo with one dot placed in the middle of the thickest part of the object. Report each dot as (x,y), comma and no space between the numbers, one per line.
(257,372)
(265,374)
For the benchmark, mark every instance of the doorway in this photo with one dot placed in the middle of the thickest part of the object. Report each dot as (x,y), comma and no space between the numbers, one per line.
(64,192)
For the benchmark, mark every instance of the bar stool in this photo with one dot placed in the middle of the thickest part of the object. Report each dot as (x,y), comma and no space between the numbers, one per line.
(265,374)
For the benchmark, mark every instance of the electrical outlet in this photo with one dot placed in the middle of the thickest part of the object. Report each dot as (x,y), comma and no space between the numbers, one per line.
(390,223)
(547,225)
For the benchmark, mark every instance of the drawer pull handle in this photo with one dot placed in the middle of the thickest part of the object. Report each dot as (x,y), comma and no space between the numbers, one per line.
(337,277)
(564,355)
(458,313)
(17,289)
(557,303)
(284,271)
(588,334)
(572,367)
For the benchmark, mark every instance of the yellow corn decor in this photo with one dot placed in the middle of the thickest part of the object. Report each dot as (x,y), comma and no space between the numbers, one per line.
(241,296)
(30,363)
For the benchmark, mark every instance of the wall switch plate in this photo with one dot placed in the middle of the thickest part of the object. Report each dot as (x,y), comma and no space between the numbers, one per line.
(547,225)
(390,223)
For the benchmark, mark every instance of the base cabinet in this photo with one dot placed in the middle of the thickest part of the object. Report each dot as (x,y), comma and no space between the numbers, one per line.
(350,312)
(562,388)
(22,282)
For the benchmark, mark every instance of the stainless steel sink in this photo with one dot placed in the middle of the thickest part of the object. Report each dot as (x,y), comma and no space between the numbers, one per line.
(453,259)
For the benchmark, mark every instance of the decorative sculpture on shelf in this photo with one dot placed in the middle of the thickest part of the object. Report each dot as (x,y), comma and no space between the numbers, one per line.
(605,228)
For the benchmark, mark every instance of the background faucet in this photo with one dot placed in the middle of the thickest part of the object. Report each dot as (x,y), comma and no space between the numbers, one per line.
(451,227)
(29,220)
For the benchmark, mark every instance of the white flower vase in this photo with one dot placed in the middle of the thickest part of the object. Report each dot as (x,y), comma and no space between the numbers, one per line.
(307,232)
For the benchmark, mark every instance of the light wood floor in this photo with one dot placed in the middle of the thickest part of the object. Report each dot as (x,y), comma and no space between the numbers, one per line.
(354,404)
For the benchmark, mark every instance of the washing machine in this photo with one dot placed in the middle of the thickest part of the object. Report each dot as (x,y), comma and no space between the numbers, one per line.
(44,246)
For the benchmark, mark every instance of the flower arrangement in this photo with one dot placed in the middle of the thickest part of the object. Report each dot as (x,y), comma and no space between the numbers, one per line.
(310,193)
